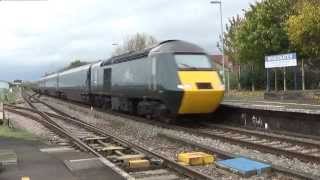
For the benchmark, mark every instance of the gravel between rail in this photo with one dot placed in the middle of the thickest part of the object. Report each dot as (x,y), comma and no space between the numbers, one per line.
(143,134)
(77,130)
(34,127)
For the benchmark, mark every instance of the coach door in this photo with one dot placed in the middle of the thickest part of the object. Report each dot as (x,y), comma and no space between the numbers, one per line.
(107,79)
(154,73)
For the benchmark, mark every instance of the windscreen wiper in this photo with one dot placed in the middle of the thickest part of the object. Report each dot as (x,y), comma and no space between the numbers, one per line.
(188,66)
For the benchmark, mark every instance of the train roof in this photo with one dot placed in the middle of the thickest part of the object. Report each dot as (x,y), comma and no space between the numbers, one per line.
(72,70)
(168,46)
(75,69)
(49,76)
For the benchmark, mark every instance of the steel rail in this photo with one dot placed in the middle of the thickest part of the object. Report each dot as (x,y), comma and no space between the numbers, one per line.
(79,145)
(265,135)
(261,147)
(226,155)
(196,131)
(187,171)
(61,129)
(220,154)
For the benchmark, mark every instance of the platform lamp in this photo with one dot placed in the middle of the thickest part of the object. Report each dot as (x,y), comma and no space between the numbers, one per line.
(222,38)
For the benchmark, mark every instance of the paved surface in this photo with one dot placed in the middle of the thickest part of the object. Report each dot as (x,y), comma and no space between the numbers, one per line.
(47,166)
(274,106)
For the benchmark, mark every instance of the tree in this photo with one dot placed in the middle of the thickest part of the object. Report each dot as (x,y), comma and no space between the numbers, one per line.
(261,32)
(136,42)
(304,33)
(74,64)
(264,32)
(230,43)
(304,29)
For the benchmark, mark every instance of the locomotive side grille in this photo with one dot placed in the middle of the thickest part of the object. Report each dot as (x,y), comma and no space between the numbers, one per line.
(204,85)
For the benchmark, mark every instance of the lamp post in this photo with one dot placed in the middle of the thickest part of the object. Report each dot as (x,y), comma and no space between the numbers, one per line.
(222,38)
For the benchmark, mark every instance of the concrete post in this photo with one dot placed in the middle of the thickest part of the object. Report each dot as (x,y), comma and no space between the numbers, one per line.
(302,72)
(275,80)
(284,79)
(3,114)
(268,82)
(228,80)
(239,77)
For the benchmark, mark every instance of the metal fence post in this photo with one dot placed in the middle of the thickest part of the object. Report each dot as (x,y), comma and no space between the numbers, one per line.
(268,81)
(302,72)
(284,79)
(295,79)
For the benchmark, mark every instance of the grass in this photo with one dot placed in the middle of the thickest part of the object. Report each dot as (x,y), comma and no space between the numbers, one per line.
(15,133)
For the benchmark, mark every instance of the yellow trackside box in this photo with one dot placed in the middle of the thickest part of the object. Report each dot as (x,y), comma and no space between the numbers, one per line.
(139,163)
(195,158)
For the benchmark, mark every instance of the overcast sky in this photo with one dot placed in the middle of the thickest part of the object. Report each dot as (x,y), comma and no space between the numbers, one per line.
(43,36)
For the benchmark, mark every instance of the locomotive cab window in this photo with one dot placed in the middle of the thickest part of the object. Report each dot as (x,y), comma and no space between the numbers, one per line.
(193,62)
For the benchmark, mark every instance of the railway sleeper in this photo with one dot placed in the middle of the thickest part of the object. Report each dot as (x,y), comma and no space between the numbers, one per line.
(240,137)
(315,154)
(249,139)
(282,146)
(153,173)
(294,148)
(273,143)
(311,151)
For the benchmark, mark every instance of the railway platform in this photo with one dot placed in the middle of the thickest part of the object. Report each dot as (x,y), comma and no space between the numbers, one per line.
(278,116)
(282,106)
(38,161)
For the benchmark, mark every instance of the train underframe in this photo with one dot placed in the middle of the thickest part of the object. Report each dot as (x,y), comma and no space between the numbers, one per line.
(145,107)
(149,108)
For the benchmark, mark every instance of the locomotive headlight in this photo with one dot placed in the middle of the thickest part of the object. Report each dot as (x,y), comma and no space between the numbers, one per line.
(184,86)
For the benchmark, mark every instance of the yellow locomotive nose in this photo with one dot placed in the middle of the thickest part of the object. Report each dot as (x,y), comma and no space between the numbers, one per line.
(203,91)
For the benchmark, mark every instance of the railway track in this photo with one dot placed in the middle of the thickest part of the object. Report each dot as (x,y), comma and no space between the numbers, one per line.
(306,150)
(289,174)
(112,150)
(291,147)
(276,144)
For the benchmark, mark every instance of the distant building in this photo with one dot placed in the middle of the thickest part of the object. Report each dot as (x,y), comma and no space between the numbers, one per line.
(230,67)
(217,60)
(17,82)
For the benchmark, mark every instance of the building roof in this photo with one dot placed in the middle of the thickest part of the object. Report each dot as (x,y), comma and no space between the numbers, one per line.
(217,58)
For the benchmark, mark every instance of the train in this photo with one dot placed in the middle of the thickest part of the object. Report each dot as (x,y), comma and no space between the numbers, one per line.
(171,79)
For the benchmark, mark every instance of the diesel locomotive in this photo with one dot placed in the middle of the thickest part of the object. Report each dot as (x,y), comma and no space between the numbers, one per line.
(172,78)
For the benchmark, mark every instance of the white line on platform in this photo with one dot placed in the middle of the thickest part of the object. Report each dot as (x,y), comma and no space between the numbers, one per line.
(272,102)
(262,105)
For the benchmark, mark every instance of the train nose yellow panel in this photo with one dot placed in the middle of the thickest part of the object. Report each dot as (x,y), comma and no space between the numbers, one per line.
(197,100)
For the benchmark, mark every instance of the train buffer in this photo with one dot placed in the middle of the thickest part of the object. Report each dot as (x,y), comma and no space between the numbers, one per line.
(244,166)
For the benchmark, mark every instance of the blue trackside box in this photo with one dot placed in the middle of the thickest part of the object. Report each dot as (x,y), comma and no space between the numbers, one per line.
(244,166)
